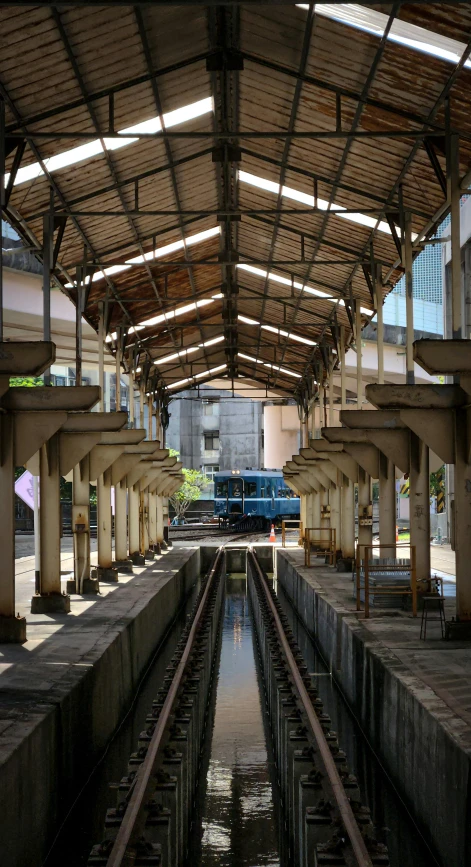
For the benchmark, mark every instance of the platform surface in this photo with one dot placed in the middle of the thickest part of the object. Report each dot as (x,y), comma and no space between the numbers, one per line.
(443,667)
(59,645)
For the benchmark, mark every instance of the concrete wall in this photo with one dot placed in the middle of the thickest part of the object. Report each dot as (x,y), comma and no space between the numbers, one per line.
(416,736)
(281,429)
(239,423)
(58,745)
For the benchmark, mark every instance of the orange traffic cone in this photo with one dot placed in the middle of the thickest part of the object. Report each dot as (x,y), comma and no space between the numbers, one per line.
(272,534)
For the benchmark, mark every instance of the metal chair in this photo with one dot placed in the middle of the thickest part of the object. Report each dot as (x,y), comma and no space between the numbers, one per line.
(433,602)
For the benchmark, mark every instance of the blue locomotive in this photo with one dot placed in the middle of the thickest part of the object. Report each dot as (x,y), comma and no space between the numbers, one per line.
(260,497)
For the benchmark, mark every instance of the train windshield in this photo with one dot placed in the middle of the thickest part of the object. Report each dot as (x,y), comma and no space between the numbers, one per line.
(236,486)
(251,489)
(221,489)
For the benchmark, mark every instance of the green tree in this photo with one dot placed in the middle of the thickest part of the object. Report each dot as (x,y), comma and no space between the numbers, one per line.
(190,491)
(26,381)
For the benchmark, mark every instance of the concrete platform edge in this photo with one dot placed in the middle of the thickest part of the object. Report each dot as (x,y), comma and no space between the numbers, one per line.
(46,757)
(415,734)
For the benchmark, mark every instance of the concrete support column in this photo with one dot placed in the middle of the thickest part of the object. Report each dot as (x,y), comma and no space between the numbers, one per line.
(316,509)
(347,507)
(303,511)
(324,502)
(133,513)
(387,503)
(152,521)
(82,583)
(335,517)
(309,510)
(159,530)
(462,516)
(419,503)
(365,531)
(104,528)
(121,559)
(12,629)
(50,597)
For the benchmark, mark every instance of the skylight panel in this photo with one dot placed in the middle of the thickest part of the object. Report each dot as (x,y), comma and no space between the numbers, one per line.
(188,350)
(198,238)
(274,330)
(305,199)
(180,311)
(411,35)
(268,364)
(209,372)
(285,281)
(174,246)
(95,148)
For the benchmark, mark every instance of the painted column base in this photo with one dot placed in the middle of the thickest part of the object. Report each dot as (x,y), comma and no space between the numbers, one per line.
(458,630)
(12,630)
(149,555)
(104,573)
(345,564)
(89,585)
(137,559)
(123,565)
(50,603)
(157,549)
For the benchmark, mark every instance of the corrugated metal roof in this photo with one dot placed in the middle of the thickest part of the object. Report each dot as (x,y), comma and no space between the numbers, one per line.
(68,74)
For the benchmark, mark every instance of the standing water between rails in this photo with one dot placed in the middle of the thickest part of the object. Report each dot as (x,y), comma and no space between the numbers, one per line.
(236,823)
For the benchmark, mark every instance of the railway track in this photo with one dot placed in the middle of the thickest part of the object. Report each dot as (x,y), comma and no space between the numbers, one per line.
(325,821)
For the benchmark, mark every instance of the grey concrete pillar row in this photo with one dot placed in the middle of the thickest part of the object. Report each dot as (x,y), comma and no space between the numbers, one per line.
(105,570)
(133,513)
(121,559)
(12,628)
(365,522)
(50,597)
(347,506)
(387,504)
(335,516)
(419,504)
(82,582)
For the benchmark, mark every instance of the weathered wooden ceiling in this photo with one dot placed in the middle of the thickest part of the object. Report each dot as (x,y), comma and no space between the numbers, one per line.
(297,99)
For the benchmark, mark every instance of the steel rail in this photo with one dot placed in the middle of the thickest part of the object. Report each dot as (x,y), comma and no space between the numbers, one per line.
(132,824)
(354,834)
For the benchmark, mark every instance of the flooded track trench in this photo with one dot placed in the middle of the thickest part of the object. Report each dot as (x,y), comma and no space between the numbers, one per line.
(405,843)
(236,823)
(234,753)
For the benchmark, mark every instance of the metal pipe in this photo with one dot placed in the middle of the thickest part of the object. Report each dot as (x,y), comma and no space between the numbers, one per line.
(359,354)
(47,267)
(410,378)
(118,370)
(78,325)
(343,377)
(101,354)
(379,323)
(454,194)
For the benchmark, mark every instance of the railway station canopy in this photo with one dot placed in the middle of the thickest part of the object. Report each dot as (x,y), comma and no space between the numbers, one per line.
(227,188)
